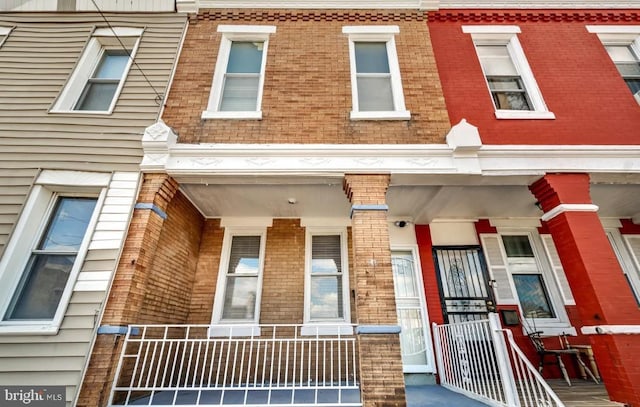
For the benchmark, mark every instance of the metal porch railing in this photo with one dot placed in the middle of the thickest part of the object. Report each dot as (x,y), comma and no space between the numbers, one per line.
(277,365)
(475,359)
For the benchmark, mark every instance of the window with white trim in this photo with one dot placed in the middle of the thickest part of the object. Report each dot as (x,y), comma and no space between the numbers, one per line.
(46,252)
(326,277)
(622,43)
(97,80)
(238,291)
(627,250)
(238,80)
(376,86)
(512,86)
(524,275)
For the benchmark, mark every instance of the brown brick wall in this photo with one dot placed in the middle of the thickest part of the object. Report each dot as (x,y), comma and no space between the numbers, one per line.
(307,91)
(172,272)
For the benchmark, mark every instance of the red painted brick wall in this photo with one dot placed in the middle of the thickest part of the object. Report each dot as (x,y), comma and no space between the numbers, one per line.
(576,77)
(307,88)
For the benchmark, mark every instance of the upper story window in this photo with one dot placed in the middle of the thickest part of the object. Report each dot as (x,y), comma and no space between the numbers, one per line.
(97,80)
(623,46)
(238,80)
(513,89)
(375,74)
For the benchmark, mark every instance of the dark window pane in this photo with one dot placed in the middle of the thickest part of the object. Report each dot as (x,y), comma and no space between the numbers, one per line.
(245,57)
(41,288)
(517,246)
(97,96)
(633,84)
(371,57)
(533,296)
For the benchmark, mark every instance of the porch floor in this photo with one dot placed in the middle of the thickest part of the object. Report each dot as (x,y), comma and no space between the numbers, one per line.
(433,395)
(582,393)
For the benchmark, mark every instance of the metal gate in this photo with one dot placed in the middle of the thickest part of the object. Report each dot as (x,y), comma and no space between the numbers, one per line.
(464,287)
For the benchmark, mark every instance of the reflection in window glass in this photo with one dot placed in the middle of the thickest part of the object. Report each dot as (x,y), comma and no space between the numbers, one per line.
(533,296)
(45,278)
(242,79)
(373,77)
(242,279)
(103,83)
(326,278)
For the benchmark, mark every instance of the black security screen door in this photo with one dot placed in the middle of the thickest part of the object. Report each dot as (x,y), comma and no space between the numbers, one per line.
(464,287)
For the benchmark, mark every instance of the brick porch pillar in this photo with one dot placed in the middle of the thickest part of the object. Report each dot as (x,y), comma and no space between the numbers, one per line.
(381,376)
(128,288)
(603,297)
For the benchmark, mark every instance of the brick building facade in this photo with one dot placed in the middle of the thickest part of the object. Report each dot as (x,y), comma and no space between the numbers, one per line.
(334,168)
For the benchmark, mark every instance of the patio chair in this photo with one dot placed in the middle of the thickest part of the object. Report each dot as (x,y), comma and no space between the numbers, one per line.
(556,355)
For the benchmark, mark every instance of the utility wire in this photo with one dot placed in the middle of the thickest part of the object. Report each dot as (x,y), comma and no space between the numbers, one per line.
(159,96)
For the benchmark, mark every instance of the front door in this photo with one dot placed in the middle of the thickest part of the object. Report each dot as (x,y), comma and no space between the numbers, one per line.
(464,286)
(415,340)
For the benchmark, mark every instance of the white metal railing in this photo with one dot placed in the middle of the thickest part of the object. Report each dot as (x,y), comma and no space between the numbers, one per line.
(475,359)
(262,365)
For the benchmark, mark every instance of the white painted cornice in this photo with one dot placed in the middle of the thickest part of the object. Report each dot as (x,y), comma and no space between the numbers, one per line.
(537,4)
(195,5)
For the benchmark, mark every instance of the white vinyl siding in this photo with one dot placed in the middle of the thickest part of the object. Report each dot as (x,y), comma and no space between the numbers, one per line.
(238,80)
(510,81)
(376,85)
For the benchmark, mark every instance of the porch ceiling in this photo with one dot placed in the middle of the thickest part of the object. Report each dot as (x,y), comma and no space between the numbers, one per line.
(324,197)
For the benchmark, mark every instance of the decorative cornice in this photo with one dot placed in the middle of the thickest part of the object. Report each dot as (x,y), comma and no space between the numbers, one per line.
(538,16)
(194,5)
(538,4)
(346,16)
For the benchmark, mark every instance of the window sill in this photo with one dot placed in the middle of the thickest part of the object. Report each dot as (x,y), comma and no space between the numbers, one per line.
(552,329)
(311,329)
(524,114)
(395,115)
(6,330)
(234,331)
(232,115)
(83,112)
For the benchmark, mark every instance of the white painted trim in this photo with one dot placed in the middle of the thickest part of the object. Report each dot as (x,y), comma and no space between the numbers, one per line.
(371,29)
(344,254)
(218,304)
(524,114)
(370,115)
(491,29)
(75,178)
(247,29)
(614,29)
(5,30)
(231,33)
(562,208)
(314,328)
(246,222)
(611,330)
(515,222)
(561,329)
(118,32)
(307,222)
(610,223)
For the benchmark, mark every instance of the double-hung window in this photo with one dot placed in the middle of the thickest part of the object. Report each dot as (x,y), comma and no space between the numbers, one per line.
(623,46)
(375,74)
(236,92)
(326,279)
(512,87)
(97,80)
(238,292)
(44,256)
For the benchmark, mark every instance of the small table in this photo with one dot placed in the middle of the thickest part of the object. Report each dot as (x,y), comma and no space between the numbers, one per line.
(585,350)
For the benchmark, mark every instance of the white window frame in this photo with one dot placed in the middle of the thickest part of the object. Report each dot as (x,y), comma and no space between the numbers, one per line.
(377,34)
(327,327)
(220,327)
(4,34)
(39,205)
(101,40)
(231,33)
(623,35)
(507,35)
(621,247)
(549,326)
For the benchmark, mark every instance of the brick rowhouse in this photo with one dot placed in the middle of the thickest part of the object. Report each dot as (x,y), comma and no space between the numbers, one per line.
(602,295)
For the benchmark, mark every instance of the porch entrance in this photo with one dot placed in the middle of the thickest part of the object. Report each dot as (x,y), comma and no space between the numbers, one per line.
(410,304)
(464,286)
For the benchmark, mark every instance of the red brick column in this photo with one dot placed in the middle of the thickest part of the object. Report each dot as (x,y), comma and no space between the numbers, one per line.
(602,295)
(128,288)
(381,376)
